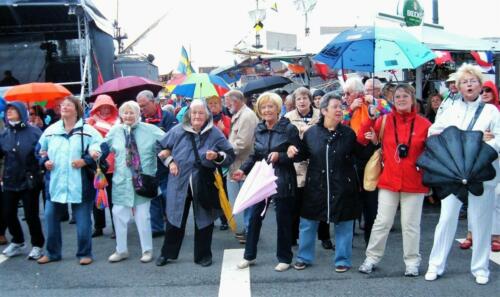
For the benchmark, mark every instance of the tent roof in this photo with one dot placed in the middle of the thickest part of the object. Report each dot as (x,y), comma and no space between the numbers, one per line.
(50,18)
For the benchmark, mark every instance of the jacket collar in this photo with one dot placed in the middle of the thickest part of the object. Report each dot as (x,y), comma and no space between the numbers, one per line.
(237,115)
(205,129)
(280,126)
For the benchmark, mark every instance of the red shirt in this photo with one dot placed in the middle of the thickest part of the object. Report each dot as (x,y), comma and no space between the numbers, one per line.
(400,174)
(227,124)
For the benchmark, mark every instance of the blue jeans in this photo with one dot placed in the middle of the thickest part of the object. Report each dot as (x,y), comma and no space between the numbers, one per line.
(233,188)
(343,242)
(82,213)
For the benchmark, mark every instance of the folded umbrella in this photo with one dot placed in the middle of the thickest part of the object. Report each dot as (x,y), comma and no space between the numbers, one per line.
(100,184)
(457,162)
(259,185)
(224,202)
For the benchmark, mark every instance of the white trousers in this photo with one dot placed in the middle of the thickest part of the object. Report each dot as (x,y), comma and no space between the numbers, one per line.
(142,217)
(411,213)
(479,214)
(496,213)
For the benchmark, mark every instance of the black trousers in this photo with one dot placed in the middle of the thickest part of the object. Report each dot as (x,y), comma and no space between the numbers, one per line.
(173,237)
(3,224)
(31,213)
(284,207)
(323,228)
(99,214)
(370,205)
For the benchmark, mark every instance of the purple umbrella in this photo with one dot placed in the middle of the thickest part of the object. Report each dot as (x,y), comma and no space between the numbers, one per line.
(126,88)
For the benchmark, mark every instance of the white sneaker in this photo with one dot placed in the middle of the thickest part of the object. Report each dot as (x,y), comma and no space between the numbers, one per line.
(481,280)
(245,264)
(411,271)
(282,267)
(35,254)
(147,257)
(117,257)
(14,249)
(431,276)
(367,266)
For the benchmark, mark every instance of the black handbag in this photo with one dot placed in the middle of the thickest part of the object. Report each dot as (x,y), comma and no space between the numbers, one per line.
(204,190)
(149,186)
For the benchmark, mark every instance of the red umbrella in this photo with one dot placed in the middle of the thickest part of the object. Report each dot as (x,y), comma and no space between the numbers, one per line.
(37,92)
(126,88)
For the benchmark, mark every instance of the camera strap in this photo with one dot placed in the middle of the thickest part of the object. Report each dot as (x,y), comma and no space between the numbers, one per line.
(396,131)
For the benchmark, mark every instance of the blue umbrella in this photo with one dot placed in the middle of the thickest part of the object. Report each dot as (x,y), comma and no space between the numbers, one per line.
(373,49)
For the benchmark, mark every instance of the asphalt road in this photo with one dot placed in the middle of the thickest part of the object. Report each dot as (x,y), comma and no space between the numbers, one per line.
(20,277)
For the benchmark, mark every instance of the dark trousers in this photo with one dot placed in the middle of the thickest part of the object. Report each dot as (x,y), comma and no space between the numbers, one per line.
(284,207)
(3,224)
(323,228)
(370,205)
(31,213)
(99,214)
(173,238)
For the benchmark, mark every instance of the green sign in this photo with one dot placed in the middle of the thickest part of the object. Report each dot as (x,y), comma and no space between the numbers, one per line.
(413,13)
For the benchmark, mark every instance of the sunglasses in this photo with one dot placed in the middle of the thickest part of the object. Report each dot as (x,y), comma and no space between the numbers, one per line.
(486,90)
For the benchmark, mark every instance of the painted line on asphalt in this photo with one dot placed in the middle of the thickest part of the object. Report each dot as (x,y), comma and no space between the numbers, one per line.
(234,281)
(3,258)
(495,257)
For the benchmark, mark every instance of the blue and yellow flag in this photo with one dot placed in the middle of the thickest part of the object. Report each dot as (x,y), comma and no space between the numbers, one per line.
(185,64)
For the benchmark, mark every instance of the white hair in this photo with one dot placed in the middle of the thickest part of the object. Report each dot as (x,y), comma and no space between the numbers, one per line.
(354,84)
(186,120)
(131,105)
(465,69)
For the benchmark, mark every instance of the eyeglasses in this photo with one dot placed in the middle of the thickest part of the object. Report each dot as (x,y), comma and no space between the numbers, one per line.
(472,81)
(486,90)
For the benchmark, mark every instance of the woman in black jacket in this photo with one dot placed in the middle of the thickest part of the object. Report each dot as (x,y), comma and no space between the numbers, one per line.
(273,136)
(332,186)
(21,180)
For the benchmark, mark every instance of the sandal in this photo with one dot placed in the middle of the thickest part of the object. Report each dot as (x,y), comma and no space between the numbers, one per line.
(466,244)
(495,245)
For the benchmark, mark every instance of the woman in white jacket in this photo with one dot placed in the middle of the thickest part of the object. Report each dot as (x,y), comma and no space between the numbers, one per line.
(483,117)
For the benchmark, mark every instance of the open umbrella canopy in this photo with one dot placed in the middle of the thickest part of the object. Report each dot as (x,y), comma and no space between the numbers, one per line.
(457,162)
(373,49)
(264,84)
(176,79)
(36,92)
(202,85)
(126,88)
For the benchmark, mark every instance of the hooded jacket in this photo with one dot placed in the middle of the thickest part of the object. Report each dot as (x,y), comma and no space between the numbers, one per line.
(17,145)
(492,86)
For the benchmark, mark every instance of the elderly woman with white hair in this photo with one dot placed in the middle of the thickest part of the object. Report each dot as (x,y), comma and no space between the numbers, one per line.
(468,113)
(134,145)
(195,149)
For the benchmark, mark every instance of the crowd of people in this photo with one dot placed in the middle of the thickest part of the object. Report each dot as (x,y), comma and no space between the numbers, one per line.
(160,163)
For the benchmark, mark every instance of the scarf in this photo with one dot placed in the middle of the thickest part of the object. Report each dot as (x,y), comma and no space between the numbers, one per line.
(156,118)
(133,160)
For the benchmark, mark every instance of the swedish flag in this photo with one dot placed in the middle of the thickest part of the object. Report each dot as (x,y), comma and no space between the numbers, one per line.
(185,64)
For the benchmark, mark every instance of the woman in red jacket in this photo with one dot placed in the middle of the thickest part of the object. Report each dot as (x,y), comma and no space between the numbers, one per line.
(400,182)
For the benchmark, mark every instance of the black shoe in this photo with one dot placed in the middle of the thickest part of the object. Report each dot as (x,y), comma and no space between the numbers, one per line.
(205,262)
(327,244)
(158,234)
(97,233)
(299,265)
(223,227)
(161,261)
(241,234)
(72,221)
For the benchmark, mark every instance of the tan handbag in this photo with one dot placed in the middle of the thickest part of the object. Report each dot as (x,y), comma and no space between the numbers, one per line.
(374,166)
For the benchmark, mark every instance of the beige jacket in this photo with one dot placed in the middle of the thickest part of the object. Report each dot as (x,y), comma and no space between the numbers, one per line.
(242,136)
(297,121)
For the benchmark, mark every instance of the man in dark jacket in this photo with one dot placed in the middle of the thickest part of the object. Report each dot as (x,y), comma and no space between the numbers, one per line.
(153,114)
(21,179)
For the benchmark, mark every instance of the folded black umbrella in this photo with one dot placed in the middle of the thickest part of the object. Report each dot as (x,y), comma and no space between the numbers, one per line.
(457,162)
(264,84)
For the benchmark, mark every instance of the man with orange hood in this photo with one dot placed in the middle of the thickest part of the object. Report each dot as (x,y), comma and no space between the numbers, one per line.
(103,116)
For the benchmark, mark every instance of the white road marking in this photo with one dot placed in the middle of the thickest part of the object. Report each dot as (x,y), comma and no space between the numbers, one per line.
(495,257)
(234,281)
(3,258)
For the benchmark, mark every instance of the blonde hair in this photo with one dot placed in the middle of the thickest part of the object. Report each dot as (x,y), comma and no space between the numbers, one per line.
(132,105)
(266,98)
(468,69)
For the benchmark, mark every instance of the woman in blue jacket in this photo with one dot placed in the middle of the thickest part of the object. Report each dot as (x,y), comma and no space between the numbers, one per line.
(21,180)
(66,147)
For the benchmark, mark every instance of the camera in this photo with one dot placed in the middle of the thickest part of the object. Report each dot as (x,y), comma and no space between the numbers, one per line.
(403,150)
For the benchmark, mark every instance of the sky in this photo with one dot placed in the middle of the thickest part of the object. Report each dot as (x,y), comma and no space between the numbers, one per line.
(210,28)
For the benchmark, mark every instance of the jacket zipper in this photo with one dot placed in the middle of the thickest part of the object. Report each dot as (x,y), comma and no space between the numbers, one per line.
(327,185)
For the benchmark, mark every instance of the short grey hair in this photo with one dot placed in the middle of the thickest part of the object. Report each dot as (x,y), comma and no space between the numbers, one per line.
(354,84)
(146,94)
(132,105)
(325,100)
(236,94)
(186,120)
(377,84)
